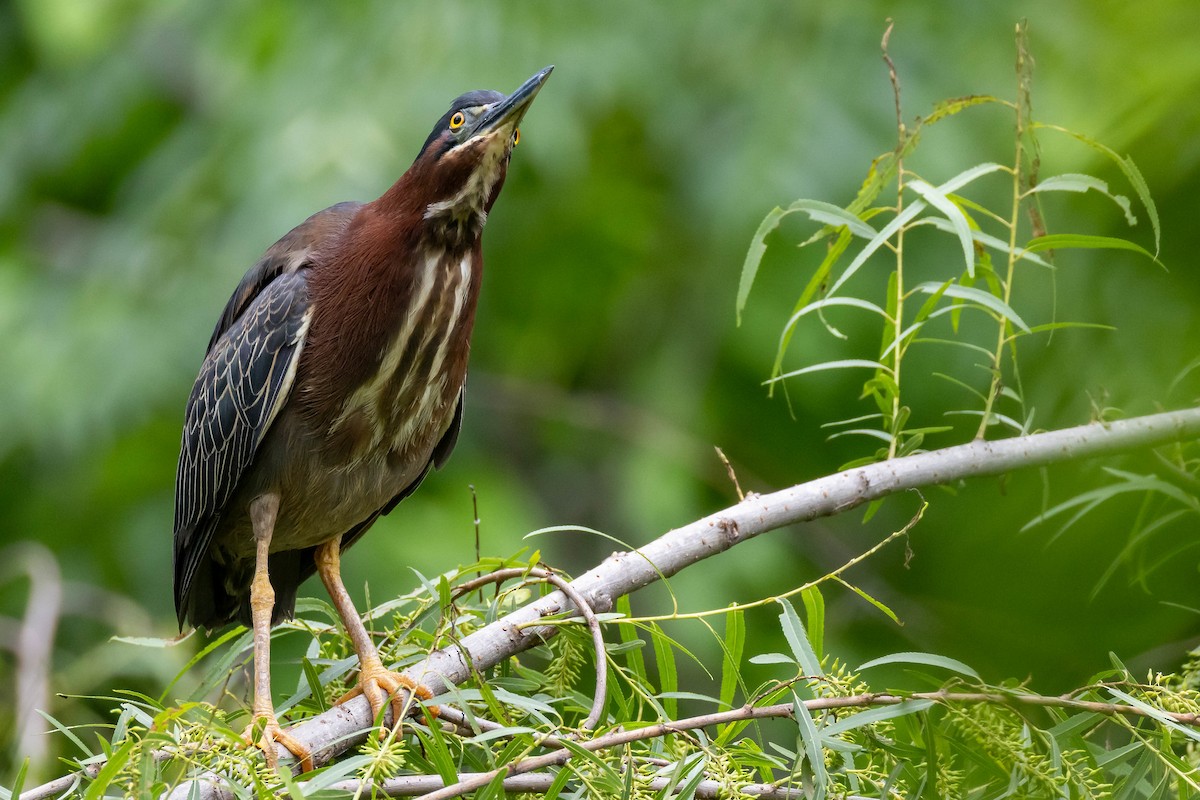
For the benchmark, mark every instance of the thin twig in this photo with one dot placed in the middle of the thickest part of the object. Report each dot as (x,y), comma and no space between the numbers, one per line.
(622,737)
(413,785)
(585,611)
(475,512)
(732,475)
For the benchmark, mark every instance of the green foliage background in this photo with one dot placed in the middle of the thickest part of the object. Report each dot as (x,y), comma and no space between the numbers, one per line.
(150,151)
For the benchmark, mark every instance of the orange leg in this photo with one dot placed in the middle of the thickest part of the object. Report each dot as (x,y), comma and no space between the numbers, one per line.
(264,730)
(374,680)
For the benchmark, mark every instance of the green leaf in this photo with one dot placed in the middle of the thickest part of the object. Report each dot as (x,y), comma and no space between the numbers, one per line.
(928,659)
(67,732)
(878,604)
(772,658)
(814,285)
(633,643)
(237,630)
(899,221)
(433,744)
(153,641)
(976,296)
(948,108)
(1131,172)
(1055,326)
(1129,483)
(110,770)
(873,715)
(826,303)
(558,784)
(602,768)
(1075,182)
(987,240)
(797,639)
(883,436)
(19,781)
(1063,241)
(664,657)
(846,363)
(1129,787)
(812,748)
(954,214)
(314,684)
(817,210)
(754,255)
(1157,713)
(735,640)
(814,612)
(833,216)
(1134,176)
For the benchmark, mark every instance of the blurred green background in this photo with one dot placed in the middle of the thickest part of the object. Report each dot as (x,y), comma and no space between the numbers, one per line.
(149,152)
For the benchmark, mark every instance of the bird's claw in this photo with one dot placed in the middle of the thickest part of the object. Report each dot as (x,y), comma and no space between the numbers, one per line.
(381,685)
(265,732)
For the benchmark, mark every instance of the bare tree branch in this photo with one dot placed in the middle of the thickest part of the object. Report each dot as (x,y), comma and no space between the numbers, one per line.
(344,726)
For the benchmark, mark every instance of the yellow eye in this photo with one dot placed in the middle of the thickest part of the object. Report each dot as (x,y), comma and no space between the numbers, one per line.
(457,121)
(516,137)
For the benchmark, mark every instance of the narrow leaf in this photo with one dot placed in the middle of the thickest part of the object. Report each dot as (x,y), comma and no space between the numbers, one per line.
(109,771)
(900,220)
(797,639)
(871,716)
(735,640)
(812,748)
(1157,713)
(987,240)
(834,216)
(814,612)
(1075,182)
(928,659)
(954,214)
(825,303)
(1063,241)
(754,255)
(846,363)
(948,108)
(977,296)
(878,604)
(815,284)
(1131,172)
(664,658)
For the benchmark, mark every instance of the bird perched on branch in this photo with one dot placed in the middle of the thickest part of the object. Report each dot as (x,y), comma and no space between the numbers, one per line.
(332,384)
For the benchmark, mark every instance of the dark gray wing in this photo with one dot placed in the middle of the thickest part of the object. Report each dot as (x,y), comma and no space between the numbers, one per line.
(244,381)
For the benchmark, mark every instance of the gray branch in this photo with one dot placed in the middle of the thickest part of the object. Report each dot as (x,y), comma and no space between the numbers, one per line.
(345,726)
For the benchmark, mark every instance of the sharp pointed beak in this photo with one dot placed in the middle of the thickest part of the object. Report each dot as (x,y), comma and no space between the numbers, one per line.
(508,112)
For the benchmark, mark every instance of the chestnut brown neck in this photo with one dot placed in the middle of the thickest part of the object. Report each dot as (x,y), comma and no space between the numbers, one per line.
(389,266)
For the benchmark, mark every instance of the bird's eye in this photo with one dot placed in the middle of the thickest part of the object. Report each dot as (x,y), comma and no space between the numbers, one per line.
(457,121)
(516,137)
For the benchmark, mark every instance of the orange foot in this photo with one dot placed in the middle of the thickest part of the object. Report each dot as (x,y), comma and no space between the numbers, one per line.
(379,684)
(264,732)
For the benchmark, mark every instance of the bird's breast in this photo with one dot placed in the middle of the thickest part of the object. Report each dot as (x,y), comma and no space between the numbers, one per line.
(402,408)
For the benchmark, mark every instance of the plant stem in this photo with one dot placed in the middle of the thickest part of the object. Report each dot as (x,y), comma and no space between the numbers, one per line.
(898,315)
(1021,108)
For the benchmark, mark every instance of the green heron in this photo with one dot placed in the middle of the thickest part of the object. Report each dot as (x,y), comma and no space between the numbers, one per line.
(332,384)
